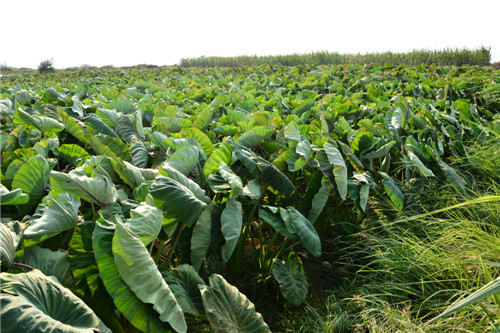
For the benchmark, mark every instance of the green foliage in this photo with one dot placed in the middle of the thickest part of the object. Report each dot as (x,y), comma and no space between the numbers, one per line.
(124,184)
(46,66)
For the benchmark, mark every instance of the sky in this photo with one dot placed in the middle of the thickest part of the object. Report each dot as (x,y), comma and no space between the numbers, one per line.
(125,33)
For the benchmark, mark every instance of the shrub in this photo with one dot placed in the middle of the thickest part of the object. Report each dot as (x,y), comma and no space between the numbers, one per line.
(46,66)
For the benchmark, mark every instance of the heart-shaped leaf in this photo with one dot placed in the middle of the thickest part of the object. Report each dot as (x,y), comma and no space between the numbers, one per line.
(176,199)
(99,189)
(228,310)
(291,277)
(33,302)
(58,213)
(184,282)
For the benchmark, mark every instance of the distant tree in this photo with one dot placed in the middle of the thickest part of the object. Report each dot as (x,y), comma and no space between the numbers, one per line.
(46,66)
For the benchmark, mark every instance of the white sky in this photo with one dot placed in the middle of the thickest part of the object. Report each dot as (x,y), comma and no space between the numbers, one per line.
(120,33)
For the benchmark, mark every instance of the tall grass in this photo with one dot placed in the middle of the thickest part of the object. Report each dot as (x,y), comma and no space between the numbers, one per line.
(410,269)
(446,57)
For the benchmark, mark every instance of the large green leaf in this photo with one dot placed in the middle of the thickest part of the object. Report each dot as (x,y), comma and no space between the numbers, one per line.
(33,302)
(233,180)
(141,315)
(362,143)
(184,282)
(127,130)
(6,108)
(339,168)
(7,246)
(184,159)
(158,138)
(138,270)
(203,119)
(271,215)
(130,174)
(255,136)
(177,200)
(50,263)
(231,223)
(201,137)
(381,152)
(278,181)
(292,132)
(58,213)
(123,106)
(172,124)
(294,160)
(414,161)
(74,127)
(230,311)
(393,191)
(246,157)
(14,197)
(99,189)
(252,190)
(353,159)
(96,125)
(145,221)
(74,154)
(43,124)
(319,202)
(140,155)
(32,178)
(46,146)
(227,130)
(200,239)
(291,277)
(109,117)
(221,154)
(452,176)
(168,171)
(304,229)
(110,146)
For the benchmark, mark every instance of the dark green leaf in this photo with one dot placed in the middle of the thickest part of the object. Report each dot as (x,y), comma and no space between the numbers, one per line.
(228,310)
(184,282)
(36,303)
(291,277)
(231,224)
(177,200)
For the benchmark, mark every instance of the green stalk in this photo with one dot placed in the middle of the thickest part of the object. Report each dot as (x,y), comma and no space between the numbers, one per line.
(238,252)
(177,234)
(93,211)
(158,252)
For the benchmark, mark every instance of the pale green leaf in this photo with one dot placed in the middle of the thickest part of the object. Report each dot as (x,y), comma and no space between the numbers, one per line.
(138,270)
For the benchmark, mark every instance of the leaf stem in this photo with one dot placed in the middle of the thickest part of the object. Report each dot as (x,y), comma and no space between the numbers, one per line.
(158,252)
(22,265)
(177,234)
